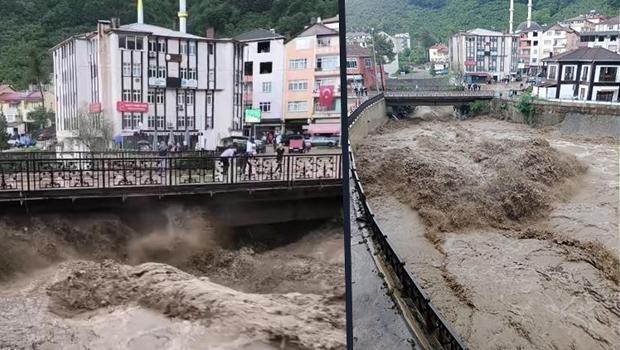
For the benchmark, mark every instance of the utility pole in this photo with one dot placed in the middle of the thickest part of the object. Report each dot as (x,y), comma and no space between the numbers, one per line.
(374,54)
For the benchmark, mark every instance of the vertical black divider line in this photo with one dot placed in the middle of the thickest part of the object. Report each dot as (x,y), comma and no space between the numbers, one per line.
(344,142)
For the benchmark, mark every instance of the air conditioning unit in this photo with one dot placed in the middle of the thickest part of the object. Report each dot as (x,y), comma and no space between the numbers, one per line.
(137,80)
(181,108)
(152,54)
(169,125)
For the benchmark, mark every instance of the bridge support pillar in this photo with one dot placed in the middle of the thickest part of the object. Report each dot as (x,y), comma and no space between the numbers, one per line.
(461,112)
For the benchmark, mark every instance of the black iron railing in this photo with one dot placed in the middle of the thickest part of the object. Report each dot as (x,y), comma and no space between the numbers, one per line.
(40,172)
(417,300)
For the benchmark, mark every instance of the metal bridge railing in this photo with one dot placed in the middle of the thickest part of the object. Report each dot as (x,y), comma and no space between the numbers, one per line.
(416,299)
(21,176)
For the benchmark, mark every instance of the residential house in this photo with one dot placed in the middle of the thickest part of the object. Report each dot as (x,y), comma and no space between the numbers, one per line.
(151,83)
(438,53)
(558,39)
(586,74)
(263,79)
(584,23)
(312,61)
(481,54)
(361,70)
(16,105)
(606,34)
(530,47)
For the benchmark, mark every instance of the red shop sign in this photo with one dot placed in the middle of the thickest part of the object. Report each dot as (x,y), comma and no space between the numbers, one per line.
(132,107)
(95,107)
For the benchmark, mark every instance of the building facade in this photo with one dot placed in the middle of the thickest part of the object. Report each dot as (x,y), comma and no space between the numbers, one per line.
(585,74)
(438,53)
(264,70)
(480,55)
(150,84)
(606,34)
(558,39)
(530,48)
(15,107)
(361,70)
(312,61)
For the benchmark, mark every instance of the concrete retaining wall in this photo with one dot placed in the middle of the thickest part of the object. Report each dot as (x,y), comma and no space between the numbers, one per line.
(371,118)
(572,118)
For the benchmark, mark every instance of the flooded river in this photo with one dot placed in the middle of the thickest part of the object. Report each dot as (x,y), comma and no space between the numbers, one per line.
(513,231)
(169,280)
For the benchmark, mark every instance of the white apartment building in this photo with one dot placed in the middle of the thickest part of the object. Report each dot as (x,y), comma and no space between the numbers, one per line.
(480,55)
(606,34)
(263,78)
(558,39)
(530,52)
(401,42)
(150,83)
(584,23)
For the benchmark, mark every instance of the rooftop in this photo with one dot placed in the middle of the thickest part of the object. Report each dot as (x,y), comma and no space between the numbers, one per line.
(486,32)
(317,29)
(258,34)
(355,50)
(612,21)
(585,54)
(534,27)
(156,30)
(18,96)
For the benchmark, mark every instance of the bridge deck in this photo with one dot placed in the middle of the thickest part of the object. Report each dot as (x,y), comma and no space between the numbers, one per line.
(29,177)
(436,98)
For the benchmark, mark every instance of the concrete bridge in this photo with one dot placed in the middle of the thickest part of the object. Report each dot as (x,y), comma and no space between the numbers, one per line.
(265,189)
(435,98)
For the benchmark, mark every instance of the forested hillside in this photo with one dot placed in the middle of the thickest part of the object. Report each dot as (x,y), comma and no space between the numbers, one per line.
(31,27)
(435,20)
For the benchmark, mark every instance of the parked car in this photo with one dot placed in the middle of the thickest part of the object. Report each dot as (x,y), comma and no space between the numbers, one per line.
(327,141)
(296,143)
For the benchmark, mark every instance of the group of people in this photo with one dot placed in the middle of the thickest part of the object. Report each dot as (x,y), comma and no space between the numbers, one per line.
(163,149)
(247,158)
(473,87)
(360,91)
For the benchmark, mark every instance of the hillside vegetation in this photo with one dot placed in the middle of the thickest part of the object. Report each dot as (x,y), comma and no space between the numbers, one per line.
(435,20)
(31,27)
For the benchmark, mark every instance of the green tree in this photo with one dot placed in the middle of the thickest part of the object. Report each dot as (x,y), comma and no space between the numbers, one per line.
(4,137)
(42,118)
(381,46)
(527,108)
(36,72)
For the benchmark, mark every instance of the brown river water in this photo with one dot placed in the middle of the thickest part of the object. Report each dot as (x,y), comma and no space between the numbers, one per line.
(168,279)
(512,231)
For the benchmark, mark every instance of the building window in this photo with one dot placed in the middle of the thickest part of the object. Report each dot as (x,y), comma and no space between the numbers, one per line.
(584,73)
(266,67)
(190,97)
(151,97)
(298,106)
(183,48)
(152,71)
(151,121)
(137,70)
(248,68)
(298,85)
(130,42)
(161,72)
(328,63)
(161,46)
(127,95)
(180,98)
(152,45)
(247,87)
(126,69)
(263,47)
(192,74)
(137,96)
(183,73)
(265,106)
(368,62)
(351,63)
(324,42)
(569,73)
(211,49)
(192,49)
(608,74)
(298,64)
(160,96)
(267,87)
(552,72)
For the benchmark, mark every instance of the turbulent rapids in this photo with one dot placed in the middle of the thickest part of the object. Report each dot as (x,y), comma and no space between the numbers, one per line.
(513,231)
(169,279)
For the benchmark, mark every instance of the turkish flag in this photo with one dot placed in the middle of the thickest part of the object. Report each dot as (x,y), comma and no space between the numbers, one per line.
(327,95)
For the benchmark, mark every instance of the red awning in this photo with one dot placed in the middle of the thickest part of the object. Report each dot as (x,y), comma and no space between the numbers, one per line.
(324,128)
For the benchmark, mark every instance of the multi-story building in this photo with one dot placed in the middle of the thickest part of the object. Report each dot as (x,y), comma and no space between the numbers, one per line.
(558,39)
(438,53)
(312,62)
(606,34)
(530,43)
(15,107)
(585,22)
(586,74)
(150,83)
(361,69)
(401,42)
(263,79)
(480,54)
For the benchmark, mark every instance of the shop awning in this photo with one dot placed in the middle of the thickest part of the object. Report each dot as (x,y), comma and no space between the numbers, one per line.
(326,128)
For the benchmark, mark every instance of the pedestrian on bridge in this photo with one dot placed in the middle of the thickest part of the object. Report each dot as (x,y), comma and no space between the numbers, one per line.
(279,157)
(225,158)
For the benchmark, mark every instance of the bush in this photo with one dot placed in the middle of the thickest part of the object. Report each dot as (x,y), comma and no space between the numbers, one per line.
(479,107)
(527,108)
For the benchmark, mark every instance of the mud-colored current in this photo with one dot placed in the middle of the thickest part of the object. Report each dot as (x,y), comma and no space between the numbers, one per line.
(513,231)
(168,278)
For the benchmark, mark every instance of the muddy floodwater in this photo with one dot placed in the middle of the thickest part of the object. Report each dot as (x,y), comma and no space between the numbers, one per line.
(513,231)
(169,279)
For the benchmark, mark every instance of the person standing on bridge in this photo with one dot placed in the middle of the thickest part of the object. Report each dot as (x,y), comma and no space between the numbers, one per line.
(225,158)
(162,150)
(279,157)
